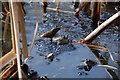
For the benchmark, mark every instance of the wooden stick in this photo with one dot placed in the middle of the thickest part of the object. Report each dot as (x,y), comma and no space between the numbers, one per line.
(6,7)
(35,33)
(12,35)
(23,31)
(6,27)
(4,71)
(44,6)
(22,8)
(96,14)
(8,72)
(87,9)
(14,75)
(14,9)
(81,6)
(36,29)
(7,58)
(101,28)
(99,47)
(12,31)
(58,6)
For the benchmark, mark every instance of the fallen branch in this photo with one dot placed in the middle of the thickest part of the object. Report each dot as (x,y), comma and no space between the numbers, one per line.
(101,28)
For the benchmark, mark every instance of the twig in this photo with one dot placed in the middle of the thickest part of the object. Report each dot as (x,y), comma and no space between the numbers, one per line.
(101,28)
(111,55)
(35,33)
(99,47)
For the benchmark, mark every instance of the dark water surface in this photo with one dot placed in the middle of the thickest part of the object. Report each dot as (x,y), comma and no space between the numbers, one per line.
(68,56)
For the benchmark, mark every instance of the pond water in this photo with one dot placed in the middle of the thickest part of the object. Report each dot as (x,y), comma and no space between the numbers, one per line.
(68,56)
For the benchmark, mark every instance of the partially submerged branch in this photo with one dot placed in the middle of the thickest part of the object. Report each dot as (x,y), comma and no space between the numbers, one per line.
(101,28)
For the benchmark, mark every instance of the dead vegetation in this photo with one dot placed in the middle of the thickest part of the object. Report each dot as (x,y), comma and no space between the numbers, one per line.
(14,14)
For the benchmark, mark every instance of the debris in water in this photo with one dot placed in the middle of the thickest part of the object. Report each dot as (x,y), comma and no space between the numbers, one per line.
(49,56)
